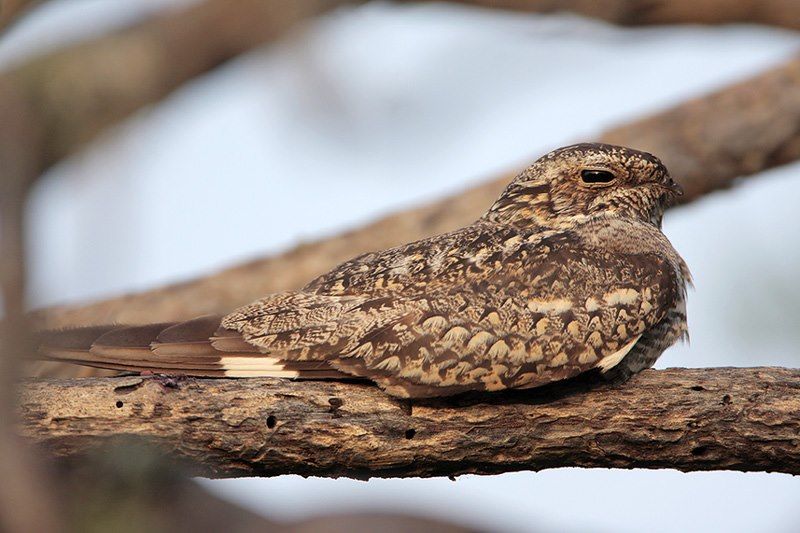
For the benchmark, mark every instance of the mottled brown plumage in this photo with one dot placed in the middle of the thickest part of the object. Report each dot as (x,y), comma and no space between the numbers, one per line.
(568,271)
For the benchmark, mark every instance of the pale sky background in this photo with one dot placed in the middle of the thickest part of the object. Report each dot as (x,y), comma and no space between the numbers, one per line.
(367,111)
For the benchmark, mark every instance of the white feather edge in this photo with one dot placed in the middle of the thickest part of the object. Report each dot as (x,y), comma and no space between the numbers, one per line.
(610,361)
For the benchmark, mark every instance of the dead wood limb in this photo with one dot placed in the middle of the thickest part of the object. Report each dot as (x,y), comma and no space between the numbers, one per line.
(707,143)
(784,13)
(742,419)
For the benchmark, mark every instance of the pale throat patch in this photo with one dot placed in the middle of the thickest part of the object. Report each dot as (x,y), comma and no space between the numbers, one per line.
(610,361)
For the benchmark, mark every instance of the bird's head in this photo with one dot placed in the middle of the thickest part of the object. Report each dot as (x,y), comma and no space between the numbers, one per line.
(583,181)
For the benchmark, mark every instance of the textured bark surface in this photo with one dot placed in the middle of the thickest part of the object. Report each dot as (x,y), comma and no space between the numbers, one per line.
(745,419)
(707,143)
(641,12)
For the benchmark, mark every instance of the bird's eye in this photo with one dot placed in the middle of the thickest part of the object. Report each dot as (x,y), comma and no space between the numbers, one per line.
(597,177)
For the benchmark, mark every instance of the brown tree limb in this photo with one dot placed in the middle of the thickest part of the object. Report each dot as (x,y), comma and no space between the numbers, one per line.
(707,143)
(742,419)
(784,13)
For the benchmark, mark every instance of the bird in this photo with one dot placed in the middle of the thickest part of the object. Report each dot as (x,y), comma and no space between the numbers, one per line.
(567,273)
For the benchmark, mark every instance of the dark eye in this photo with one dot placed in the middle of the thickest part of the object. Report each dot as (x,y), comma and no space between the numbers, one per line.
(593,177)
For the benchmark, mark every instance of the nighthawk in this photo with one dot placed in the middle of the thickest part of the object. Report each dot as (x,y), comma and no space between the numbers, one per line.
(566,273)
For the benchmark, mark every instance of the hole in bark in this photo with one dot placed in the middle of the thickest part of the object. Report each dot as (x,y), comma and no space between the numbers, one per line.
(271,421)
(698,388)
(119,404)
(700,450)
(727,400)
(410,433)
(335,402)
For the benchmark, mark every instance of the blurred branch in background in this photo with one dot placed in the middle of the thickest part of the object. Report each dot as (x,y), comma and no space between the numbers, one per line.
(686,419)
(129,485)
(27,502)
(707,143)
(784,13)
(55,104)
(12,10)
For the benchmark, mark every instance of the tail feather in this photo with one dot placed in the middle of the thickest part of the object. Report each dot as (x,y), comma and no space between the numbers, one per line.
(198,347)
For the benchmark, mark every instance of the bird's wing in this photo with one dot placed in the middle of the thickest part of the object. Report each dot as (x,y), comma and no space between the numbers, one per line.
(409,269)
(571,313)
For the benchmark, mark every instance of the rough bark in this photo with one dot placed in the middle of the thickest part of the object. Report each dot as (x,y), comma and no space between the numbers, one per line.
(784,13)
(684,419)
(706,142)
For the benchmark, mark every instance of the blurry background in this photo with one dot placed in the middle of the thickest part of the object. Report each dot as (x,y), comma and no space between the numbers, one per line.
(369,110)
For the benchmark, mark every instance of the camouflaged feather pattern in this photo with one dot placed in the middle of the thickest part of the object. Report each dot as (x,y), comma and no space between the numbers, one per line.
(558,278)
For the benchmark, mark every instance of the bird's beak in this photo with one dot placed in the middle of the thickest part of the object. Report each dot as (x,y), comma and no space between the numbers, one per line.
(673,187)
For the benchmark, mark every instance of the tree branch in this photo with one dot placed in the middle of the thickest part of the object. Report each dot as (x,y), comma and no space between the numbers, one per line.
(53,105)
(784,13)
(707,143)
(685,419)
(12,10)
